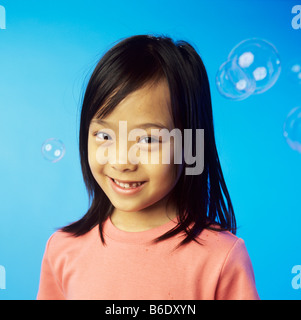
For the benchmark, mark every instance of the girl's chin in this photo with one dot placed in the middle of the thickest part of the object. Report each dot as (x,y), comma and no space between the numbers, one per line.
(128,205)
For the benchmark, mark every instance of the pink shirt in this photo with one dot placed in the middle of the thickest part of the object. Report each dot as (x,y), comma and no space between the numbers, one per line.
(130,267)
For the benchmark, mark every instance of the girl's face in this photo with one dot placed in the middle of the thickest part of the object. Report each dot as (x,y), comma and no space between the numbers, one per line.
(147,108)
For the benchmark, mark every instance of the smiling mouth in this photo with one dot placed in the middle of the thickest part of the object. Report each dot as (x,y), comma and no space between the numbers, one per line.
(128,184)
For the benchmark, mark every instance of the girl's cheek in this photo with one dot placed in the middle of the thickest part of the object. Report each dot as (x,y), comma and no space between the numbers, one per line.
(92,158)
(161,174)
(158,154)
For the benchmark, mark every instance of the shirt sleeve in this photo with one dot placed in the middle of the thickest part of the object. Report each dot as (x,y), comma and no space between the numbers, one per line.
(49,287)
(237,280)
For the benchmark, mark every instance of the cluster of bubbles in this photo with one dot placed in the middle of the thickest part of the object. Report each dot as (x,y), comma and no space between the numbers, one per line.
(253,66)
(53,150)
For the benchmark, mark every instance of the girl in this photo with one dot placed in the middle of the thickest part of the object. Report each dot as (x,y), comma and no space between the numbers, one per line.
(152,231)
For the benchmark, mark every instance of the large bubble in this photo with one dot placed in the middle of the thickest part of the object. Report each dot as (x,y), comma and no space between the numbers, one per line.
(53,150)
(292,129)
(258,59)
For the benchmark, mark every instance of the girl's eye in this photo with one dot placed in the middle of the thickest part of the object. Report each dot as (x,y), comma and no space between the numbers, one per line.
(148,140)
(102,136)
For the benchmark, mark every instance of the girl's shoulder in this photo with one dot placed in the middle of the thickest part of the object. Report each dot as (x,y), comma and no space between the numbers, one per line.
(221,241)
(215,232)
(62,243)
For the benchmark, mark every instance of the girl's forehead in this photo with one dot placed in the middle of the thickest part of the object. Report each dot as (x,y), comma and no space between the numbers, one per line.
(150,104)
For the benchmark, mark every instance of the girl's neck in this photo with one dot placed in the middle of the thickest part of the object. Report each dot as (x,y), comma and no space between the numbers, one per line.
(143,220)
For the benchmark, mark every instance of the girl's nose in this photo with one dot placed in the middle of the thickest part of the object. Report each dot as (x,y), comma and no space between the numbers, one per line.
(123,162)
(124,167)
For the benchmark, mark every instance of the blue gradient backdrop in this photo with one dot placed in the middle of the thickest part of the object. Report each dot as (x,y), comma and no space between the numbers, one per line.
(47,53)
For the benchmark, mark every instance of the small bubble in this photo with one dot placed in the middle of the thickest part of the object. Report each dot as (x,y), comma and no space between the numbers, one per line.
(53,150)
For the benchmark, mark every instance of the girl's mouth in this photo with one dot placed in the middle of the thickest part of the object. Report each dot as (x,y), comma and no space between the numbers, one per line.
(126,187)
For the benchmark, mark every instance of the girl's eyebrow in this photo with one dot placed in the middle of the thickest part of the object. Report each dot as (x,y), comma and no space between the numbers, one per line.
(99,121)
(141,125)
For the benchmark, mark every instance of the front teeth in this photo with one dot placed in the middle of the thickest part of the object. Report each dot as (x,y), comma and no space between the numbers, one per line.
(127,185)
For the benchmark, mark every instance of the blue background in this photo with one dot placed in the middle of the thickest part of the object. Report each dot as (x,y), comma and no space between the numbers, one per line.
(47,52)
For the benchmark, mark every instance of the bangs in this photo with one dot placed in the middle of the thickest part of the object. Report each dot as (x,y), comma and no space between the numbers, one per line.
(125,70)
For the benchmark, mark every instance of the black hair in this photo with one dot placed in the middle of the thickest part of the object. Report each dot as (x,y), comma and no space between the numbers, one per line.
(202,201)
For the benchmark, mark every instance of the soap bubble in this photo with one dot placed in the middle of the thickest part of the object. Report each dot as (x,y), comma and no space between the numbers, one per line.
(233,83)
(259,60)
(294,71)
(53,150)
(292,129)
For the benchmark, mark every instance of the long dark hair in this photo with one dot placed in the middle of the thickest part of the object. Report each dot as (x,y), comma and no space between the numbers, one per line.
(202,200)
